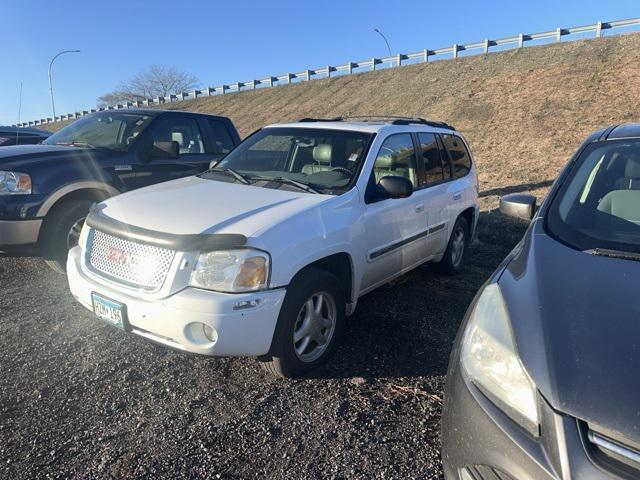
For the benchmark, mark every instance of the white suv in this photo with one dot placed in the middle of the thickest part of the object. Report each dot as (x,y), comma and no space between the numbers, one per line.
(267,252)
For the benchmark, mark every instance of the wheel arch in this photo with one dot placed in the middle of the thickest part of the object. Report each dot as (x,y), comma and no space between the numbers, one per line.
(469,215)
(75,191)
(339,264)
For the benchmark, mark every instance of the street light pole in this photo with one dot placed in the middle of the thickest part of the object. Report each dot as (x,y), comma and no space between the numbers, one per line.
(385,40)
(53,107)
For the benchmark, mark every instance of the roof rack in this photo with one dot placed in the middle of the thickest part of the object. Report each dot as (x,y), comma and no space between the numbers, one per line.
(391,119)
(309,119)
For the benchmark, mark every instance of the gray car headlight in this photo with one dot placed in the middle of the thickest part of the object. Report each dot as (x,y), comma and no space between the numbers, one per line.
(490,360)
(232,271)
(14,183)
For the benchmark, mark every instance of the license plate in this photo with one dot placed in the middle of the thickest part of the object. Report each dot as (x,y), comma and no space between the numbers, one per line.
(109,311)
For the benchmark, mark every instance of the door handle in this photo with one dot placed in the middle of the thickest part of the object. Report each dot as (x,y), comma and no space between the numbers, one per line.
(457,195)
(419,208)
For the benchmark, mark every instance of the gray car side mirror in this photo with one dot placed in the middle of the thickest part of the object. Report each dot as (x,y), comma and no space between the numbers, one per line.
(518,205)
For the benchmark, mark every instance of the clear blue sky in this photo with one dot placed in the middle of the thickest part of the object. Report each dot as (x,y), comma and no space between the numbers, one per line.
(224,42)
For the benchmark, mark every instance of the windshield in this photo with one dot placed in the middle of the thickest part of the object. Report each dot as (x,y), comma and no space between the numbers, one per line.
(598,206)
(326,160)
(115,131)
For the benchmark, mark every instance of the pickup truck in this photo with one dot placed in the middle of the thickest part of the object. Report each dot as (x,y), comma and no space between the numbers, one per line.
(266,253)
(46,190)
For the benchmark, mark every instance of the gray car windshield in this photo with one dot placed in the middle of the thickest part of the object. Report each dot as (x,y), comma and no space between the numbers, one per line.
(113,130)
(324,160)
(598,206)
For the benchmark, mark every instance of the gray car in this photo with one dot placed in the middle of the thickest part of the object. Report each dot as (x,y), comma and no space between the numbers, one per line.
(543,380)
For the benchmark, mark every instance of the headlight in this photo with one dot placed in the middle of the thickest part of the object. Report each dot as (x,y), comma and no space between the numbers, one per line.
(14,183)
(232,271)
(490,360)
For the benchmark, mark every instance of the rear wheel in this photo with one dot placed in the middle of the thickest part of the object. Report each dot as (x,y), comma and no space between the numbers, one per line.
(453,260)
(62,231)
(309,324)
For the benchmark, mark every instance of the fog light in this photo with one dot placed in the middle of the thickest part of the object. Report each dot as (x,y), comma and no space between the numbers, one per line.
(210,333)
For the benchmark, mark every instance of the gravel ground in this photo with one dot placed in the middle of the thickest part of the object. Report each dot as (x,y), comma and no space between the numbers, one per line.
(79,399)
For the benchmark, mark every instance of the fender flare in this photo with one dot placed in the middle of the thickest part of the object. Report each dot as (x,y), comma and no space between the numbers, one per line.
(324,254)
(70,188)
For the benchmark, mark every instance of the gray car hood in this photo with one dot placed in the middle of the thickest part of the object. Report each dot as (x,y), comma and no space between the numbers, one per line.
(576,320)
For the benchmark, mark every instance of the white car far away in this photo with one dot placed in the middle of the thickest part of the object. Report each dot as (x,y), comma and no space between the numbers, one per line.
(266,253)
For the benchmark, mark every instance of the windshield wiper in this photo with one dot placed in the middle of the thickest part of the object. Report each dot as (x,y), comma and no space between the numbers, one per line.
(604,252)
(77,144)
(289,181)
(238,176)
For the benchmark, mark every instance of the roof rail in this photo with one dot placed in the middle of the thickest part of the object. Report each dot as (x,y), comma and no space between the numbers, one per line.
(391,119)
(310,119)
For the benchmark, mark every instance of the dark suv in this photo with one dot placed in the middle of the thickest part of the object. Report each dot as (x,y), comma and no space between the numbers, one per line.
(21,136)
(46,190)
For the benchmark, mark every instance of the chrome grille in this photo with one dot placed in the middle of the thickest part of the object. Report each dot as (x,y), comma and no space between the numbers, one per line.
(134,264)
(615,449)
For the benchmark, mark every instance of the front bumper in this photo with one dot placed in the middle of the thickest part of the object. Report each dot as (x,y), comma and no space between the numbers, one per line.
(14,233)
(480,442)
(177,320)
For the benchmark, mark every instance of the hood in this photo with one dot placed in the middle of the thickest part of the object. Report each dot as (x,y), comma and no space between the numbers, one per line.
(17,156)
(576,321)
(195,205)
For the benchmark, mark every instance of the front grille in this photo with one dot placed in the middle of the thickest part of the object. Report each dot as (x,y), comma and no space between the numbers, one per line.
(131,263)
(612,454)
(483,472)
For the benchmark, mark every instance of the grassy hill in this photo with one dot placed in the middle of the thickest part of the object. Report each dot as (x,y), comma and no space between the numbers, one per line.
(523,111)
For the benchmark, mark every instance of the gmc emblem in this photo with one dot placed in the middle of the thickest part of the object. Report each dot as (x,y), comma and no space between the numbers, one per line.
(119,256)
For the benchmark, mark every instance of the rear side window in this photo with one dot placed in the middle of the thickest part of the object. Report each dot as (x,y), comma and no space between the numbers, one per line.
(7,141)
(222,142)
(460,157)
(185,131)
(436,167)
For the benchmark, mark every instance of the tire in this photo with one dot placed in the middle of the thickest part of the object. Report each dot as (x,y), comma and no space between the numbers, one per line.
(289,358)
(61,231)
(452,262)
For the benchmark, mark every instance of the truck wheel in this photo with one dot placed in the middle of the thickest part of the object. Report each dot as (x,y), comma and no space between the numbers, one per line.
(453,260)
(309,325)
(61,232)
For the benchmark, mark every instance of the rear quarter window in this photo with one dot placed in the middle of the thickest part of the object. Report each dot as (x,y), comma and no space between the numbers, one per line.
(459,154)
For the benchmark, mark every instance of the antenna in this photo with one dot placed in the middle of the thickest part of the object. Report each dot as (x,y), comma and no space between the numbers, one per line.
(19,112)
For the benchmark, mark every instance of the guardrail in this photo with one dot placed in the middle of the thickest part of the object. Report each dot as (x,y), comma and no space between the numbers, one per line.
(518,41)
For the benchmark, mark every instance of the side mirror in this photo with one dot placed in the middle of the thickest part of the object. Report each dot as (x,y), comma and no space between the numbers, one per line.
(518,205)
(165,149)
(396,187)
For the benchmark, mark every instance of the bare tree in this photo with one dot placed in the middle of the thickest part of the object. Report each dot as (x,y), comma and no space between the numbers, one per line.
(157,81)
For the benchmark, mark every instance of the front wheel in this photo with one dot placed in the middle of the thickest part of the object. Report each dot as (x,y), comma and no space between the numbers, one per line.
(309,324)
(62,231)
(453,260)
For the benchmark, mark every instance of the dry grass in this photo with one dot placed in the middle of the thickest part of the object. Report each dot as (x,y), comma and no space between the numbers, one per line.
(523,111)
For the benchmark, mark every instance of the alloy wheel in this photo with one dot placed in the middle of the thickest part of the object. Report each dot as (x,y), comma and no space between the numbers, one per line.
(74,233)
(457,246)
(315,326)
